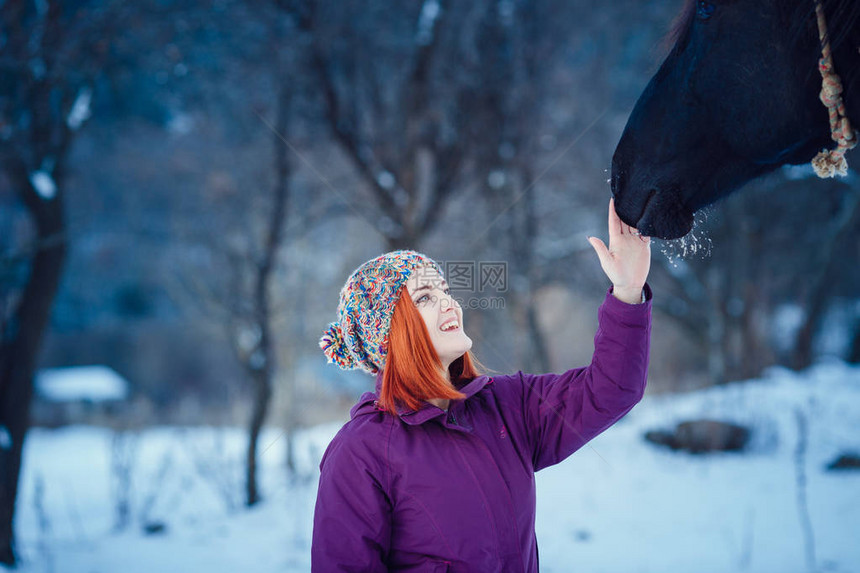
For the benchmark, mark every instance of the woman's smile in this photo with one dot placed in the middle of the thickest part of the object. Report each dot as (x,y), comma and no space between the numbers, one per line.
(441,314)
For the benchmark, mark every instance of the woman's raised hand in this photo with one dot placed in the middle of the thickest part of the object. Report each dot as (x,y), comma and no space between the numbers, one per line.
(627,260)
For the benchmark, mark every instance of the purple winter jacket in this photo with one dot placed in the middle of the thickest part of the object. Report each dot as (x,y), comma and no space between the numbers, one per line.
(436,491)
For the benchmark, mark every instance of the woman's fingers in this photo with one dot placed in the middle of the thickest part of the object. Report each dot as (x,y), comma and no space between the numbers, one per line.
(602,251)
(643,238)
(616,226)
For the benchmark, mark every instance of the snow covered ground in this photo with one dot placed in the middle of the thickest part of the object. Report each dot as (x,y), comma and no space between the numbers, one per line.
(618,505)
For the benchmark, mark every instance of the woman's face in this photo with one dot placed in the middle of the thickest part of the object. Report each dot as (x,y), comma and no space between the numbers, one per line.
(441,313)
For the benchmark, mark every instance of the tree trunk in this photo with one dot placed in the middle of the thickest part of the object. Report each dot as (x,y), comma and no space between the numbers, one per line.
(803,344)
(540,357)
(262,397)
(262,363)
(21,343)
(854,353)
(526,241)
(820,283)
(290,430)
(716,328)
(406,240)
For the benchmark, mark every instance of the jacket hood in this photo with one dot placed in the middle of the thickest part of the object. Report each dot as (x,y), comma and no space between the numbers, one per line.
(367,404)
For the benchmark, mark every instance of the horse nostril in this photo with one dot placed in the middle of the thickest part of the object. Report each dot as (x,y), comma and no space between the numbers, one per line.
(651,195)
(616,182)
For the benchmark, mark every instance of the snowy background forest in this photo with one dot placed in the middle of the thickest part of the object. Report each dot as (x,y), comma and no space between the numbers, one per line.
(186,184)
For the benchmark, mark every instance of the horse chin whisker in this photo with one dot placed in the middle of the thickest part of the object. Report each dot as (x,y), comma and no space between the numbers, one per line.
(696,243)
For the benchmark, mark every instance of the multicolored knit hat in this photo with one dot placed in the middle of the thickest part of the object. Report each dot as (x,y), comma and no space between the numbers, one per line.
(359,339)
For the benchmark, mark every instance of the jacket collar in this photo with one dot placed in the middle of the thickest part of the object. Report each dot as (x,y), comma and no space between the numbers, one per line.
(368,404)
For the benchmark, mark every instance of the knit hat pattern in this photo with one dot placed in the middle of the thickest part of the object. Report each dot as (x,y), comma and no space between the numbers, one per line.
(359,338)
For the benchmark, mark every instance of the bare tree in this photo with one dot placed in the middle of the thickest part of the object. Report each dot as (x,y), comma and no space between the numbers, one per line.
(518,42)
(260,362)
(124,453)
(246,243)
(825,273)
(49,59)
(726,283)
(398,100)
(801,481)
(242,306)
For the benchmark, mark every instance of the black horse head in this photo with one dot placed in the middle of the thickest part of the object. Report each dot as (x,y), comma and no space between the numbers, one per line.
(736,98)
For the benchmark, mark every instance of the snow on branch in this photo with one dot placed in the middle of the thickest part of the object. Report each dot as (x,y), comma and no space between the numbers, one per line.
(44,184)
(426,22)
(80,109)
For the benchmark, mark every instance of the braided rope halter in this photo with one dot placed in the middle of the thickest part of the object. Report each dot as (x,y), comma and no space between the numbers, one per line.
(829,163)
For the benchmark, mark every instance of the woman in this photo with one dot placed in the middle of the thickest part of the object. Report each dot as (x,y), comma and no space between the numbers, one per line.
(435,470)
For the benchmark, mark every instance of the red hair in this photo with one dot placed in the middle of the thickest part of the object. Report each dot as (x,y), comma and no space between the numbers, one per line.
(413,371)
